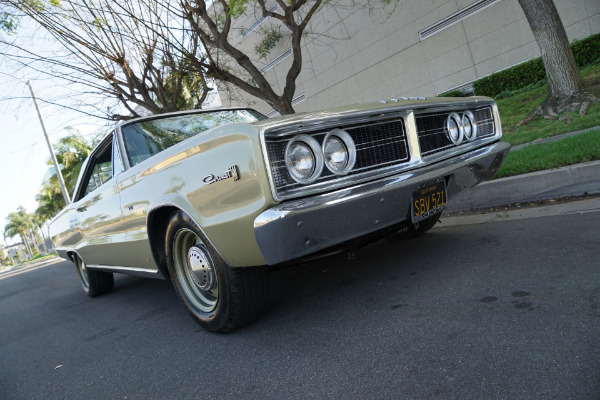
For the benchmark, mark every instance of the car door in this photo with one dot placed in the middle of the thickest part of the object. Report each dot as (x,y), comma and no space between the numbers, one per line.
(98,206)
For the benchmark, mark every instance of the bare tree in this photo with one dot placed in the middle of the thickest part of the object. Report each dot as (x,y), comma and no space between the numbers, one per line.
(109,51)
(154,54)
(565,87)
(213,26)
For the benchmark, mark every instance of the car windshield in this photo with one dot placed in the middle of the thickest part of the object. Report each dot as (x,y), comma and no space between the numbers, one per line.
(147,138)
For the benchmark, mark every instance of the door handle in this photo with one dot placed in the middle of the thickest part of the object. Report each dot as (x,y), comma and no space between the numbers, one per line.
(82,208)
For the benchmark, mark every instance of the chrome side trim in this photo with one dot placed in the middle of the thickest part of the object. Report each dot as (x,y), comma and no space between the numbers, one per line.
(129,271)
(300,227)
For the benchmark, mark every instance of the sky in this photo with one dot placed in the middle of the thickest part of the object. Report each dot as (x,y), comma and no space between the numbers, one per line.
(24,154)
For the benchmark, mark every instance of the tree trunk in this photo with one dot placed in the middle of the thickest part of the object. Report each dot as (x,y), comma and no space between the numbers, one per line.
(26,243)
(565,87)
(44,243)
(32,237)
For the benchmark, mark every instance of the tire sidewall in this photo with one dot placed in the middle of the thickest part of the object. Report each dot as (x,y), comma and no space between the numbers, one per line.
(217,318)
(98,282)
(85,286)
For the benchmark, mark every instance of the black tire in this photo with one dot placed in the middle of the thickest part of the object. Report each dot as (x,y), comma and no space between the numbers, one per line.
(219,297)
(411,230)
(94,283)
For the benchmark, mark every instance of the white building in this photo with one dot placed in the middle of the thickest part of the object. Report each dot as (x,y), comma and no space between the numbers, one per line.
(415,48)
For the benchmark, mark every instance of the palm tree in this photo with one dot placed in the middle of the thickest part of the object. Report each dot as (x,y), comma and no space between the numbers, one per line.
(71,152)
(20,223)
(50,200)
(39,220)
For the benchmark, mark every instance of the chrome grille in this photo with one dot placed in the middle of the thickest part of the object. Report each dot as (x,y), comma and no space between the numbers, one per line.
(378,145)
(431,129)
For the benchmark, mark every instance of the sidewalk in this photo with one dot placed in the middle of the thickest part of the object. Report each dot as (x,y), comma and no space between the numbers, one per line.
(513,195)
(19,269)
(574,180)
(550,208)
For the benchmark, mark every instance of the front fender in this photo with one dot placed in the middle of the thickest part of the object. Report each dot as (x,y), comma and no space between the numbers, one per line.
(198,179)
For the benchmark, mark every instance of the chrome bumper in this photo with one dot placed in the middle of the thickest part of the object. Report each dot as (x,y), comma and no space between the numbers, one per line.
(297,228)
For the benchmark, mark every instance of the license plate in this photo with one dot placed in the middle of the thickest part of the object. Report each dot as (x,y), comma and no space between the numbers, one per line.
(428,200)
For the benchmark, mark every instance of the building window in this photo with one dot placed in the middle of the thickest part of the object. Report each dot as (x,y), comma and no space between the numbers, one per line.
(276,61)
(456,17)
(259,21)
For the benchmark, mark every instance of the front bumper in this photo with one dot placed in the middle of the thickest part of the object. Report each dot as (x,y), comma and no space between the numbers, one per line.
(297,228)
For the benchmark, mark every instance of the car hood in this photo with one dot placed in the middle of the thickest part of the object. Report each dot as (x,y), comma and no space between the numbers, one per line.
(309,118)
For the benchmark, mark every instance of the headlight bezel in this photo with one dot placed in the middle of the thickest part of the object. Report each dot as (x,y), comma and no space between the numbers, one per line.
(315,148)
(348,143)
(457,120)
(472,123)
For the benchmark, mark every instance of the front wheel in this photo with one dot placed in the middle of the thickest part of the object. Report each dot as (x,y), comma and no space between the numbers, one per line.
(94,283)
(219,297)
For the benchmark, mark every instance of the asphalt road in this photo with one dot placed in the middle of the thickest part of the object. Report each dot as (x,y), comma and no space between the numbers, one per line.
(500,310)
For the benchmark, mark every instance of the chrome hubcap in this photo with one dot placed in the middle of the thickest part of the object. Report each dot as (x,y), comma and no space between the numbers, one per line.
(195,270)
(201,270)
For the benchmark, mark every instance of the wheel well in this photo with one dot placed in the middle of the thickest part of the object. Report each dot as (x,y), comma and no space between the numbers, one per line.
(158,219)
(71,255)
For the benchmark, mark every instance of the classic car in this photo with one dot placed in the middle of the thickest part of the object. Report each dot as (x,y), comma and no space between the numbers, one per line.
(211,199)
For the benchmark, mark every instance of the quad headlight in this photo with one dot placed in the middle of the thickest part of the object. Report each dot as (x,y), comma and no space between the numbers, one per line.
(454,128)
(459,128)
(339,152)
(469,125)
(304,159)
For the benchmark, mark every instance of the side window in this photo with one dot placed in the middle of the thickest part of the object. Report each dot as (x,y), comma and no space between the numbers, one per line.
(100,169)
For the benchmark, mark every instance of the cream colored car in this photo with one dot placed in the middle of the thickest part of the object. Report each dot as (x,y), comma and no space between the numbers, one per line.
(212,198)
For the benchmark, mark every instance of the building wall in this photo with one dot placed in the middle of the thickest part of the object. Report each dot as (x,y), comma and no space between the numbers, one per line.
(359,54)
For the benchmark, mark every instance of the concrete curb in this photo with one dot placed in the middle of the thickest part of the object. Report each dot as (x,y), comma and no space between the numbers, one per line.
(574,180)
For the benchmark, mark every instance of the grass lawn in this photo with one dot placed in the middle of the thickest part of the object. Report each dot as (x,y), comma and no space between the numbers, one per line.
(517,107)
(41,257)
(541,156)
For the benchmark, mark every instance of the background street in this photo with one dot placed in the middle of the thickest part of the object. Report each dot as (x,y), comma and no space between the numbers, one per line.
(499,310)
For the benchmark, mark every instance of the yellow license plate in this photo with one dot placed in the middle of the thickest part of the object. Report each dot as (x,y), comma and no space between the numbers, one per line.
(428,200)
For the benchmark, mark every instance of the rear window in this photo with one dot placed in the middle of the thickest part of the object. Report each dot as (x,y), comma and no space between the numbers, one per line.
(147,138)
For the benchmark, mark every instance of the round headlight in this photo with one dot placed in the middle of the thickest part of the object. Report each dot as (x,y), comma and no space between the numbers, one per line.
(454,128)
(339,152)
(304,159)
(469,125)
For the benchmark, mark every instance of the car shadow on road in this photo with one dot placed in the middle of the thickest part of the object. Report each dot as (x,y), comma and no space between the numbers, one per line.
(360,281)
(377,277)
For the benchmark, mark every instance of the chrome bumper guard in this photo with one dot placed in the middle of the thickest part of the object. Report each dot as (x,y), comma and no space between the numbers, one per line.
(297,228)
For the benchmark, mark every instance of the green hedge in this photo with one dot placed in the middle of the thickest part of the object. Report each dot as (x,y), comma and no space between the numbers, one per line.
(586,52)
(452,93)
